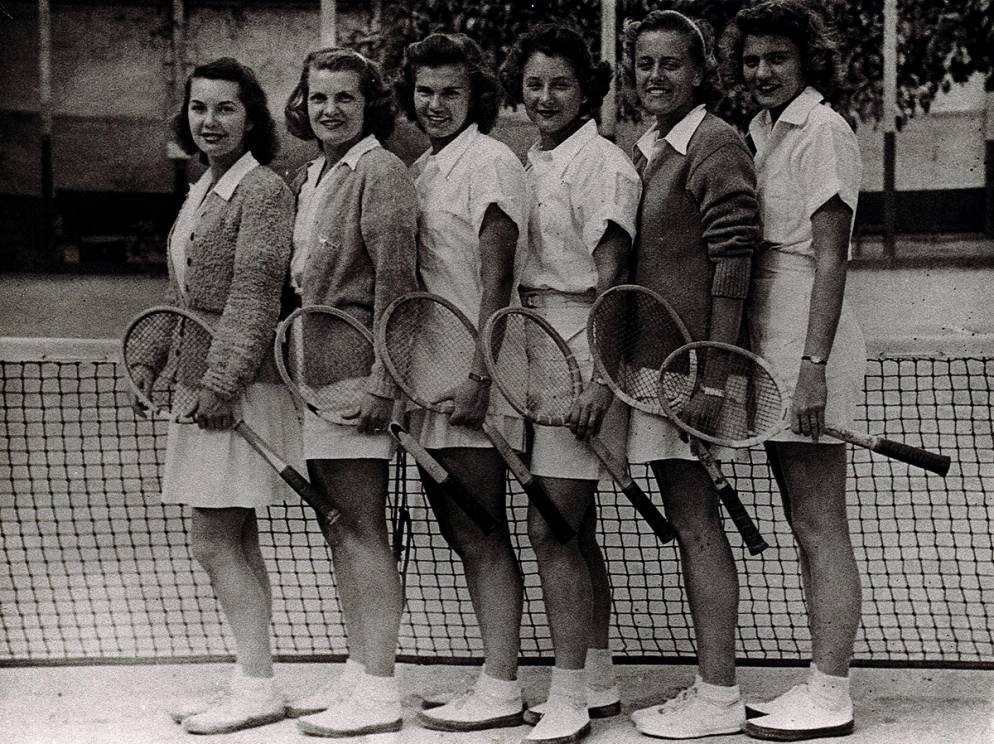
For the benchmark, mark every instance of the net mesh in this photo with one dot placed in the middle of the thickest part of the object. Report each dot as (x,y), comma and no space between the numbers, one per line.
(93,569)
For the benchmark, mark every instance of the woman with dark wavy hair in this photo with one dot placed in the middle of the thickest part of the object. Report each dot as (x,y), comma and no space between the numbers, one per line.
(808,168)
(584,197)
(354,249)
(227,254)
(698,226)
(471,197)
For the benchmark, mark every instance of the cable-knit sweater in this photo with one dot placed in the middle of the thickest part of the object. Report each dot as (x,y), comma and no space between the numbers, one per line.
(236,266)
(364,250)
(698,223)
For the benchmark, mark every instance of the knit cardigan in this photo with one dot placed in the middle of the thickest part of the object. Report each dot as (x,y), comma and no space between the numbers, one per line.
(698,223)
(236,266)
(364,248)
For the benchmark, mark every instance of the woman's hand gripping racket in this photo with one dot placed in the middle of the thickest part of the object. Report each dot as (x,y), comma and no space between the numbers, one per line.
(165,351)
(743,403)
(429,346)
(538,374)
(631,330)
(325,356)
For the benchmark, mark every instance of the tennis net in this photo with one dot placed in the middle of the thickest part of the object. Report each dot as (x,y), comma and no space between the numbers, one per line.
(95,570)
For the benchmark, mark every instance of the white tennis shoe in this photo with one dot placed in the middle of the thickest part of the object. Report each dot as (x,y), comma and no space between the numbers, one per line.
(600,704)
(800,714)
(564,721)
(244,706)
(690,715)
(474,710)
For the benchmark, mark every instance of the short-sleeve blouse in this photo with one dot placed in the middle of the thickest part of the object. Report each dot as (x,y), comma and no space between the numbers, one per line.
(808,156)
(455,188)
(576,189)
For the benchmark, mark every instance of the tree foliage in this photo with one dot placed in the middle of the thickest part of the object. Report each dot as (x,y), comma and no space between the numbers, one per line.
(940,42)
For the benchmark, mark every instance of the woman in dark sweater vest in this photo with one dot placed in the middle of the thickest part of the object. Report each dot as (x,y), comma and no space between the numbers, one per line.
(696,231)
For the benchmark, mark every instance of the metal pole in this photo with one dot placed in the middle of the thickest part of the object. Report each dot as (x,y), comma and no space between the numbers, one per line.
(989,165)
(46,243)
(890,116)
(174,153)
(329,13)
(609,51)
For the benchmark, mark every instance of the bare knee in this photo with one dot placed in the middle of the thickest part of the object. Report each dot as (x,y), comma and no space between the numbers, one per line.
(545,543)
(211,554)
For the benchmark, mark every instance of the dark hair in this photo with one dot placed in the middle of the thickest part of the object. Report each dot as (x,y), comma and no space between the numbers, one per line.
(378,115)
(556,40)
(438,50)
(702,44)
(260,135)
(800,23)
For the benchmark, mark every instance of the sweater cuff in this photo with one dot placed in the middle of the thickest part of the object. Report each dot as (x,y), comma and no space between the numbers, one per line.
(225,389)
(731,277)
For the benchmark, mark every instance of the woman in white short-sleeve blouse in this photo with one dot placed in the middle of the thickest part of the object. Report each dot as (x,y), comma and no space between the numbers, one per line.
(584,196)
(471,221)
(808,171)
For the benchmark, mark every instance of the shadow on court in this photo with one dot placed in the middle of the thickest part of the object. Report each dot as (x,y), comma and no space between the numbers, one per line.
(125,704)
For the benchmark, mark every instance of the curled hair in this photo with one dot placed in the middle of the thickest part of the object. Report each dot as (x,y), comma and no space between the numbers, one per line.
(260,134)
(378,114)
(439,50)
(797,21)
(556,40)
(702,45)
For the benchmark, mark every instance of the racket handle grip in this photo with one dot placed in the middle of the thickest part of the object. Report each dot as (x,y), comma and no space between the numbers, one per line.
(533,488)
(753,540)
(931,461)
(638,498)
(445,482)
(318,501)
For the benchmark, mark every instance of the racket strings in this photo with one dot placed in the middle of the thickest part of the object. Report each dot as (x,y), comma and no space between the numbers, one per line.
(632,333)
(722,393)
(175,349)
(328,360)
(534,373)
(430,348)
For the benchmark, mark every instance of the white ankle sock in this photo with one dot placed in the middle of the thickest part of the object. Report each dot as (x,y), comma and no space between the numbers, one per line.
(501,689)
(378,689)
(569,683)
(828,687)
(353,670)
(724,694)
(600,669)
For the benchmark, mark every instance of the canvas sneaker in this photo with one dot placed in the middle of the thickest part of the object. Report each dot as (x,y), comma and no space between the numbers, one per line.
(600,704)
(800,714)
(690,715)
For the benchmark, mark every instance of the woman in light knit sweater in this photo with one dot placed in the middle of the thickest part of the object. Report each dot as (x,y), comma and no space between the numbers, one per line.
(228,254)
(697,229)
(808,167)
(354,249)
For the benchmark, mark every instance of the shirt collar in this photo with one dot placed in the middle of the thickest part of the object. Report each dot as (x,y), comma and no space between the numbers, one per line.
(679,135)
(360,148)
(227,183)
(447,158)
(564,153)
(796,113)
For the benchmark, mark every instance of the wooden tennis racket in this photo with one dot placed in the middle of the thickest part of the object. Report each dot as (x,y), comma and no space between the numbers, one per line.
(165,351)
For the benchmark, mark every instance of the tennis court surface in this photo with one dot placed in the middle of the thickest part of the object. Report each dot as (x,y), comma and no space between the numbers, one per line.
(95,571)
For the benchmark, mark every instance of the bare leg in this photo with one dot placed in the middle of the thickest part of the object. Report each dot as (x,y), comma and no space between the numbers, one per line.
(815,479)
(489,563)
(216,542)
(364,565)
(709,571)
(566,580)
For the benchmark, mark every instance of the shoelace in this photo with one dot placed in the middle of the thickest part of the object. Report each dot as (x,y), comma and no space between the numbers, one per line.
(680,700)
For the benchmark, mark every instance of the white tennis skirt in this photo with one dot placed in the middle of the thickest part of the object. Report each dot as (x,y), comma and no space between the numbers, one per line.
(217,469)
(777,314)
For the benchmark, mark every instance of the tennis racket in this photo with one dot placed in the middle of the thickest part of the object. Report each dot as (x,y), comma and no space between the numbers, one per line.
(539,375)
(165,352)
(729,396)
(631,330)
(332,381)
(428,345)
